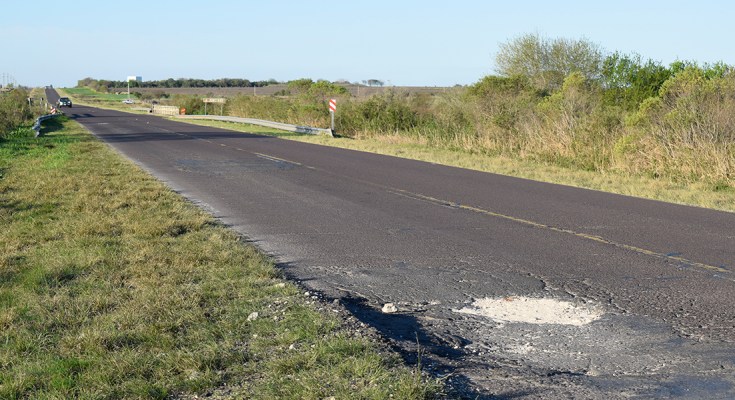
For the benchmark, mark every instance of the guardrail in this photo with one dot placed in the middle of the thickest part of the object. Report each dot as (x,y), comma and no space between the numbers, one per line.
(271,124)
(37,125)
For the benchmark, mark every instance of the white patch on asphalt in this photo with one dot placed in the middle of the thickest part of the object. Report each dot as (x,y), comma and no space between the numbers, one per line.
(533,311)
(390,308)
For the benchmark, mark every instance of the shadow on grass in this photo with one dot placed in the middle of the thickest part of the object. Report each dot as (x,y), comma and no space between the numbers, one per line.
(18,146)
(53,125)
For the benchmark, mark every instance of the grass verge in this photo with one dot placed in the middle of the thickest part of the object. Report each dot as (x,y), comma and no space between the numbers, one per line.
(697,194)
(112,286)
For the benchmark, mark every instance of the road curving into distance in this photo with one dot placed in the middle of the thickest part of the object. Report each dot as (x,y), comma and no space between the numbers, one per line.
(508,287)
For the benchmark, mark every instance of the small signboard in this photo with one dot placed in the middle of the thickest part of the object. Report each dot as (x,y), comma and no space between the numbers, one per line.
(217,100)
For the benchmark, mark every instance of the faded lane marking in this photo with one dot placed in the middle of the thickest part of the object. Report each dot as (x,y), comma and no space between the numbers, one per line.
(261,155)
(599,239)
(272,158)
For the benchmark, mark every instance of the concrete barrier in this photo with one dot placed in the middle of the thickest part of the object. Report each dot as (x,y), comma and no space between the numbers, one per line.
(165,110)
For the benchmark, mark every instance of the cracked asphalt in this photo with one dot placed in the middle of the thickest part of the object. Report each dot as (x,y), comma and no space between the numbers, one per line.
(366,230)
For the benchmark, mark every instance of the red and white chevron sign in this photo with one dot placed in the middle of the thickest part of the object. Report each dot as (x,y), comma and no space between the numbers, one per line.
(332,105)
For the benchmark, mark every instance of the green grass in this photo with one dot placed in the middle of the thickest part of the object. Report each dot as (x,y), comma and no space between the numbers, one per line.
(85,92)
(112,286)
(720,197)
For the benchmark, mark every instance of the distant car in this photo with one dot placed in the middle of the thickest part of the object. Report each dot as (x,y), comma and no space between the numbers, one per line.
(128,101)
(64,102)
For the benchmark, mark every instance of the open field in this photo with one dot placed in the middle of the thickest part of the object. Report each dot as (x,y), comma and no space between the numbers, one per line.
(86,93)
(112,286)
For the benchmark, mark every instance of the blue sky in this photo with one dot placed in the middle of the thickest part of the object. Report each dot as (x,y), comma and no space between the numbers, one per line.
(421,43)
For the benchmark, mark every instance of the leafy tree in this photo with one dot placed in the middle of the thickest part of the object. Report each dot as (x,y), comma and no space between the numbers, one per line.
(628,80)
(300,85)
(548,61)
(324,89)
(102,85)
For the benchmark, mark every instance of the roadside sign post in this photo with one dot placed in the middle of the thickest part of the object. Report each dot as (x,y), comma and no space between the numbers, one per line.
(134,78)
(332,110)
(220,100)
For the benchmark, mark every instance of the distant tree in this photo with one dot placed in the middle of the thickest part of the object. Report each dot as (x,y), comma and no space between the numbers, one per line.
(85,82)
(103,85)
(322,90)
(374,82)
(300,85)
(548,61)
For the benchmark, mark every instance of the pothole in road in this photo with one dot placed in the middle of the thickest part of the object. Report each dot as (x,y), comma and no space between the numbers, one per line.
(533,311)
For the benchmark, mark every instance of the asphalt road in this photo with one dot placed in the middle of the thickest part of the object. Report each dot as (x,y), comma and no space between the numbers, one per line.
(367,230)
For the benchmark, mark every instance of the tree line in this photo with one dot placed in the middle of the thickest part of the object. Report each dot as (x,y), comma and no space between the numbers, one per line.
(103,84)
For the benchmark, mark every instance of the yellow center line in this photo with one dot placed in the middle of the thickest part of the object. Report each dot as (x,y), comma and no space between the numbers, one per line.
(586,236)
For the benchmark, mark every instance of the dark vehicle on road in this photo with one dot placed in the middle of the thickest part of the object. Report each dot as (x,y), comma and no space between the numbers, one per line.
(64,102)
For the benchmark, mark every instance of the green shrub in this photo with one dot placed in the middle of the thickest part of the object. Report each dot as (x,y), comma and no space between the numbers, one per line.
(688,132)
(193,104)
(14,111)
(628,80)
(386,113)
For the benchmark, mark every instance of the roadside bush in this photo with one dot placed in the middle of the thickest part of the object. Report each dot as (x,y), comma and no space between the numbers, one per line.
(14,111)
(688,132)
(380,114)
(628,80)
(193,104)
(291,110)
(308,105)
(502,108)
(573,128)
